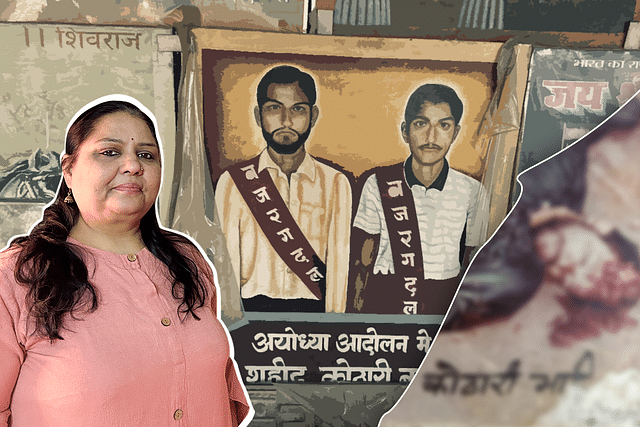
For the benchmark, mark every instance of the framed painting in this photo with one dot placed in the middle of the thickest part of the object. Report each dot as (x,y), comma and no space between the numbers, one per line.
(361,89)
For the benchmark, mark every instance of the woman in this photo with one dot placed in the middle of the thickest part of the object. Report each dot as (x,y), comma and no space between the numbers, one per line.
(105,318)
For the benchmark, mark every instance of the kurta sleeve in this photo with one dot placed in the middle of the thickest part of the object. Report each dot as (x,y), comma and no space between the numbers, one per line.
(338,245)
(11,352)
(237,398)
(238,401)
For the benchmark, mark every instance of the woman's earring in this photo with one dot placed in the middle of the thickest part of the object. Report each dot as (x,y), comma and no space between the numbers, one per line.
(69,199)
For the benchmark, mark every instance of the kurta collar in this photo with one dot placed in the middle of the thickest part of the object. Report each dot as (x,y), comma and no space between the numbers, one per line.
(307,167)
(439,182)
(127,261)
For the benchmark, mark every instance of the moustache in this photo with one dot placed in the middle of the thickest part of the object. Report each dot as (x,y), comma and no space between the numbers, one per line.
(285,129)
(430,146)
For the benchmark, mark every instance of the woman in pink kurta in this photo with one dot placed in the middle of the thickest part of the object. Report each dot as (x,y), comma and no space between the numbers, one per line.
(151,351)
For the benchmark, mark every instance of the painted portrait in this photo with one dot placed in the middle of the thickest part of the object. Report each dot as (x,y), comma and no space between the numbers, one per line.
(350,125)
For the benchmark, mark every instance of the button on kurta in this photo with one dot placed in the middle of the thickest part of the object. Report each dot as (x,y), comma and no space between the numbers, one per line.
(132,257)
(178,414)
(166,321)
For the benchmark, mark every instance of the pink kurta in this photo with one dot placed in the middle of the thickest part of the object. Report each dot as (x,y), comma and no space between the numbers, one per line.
(132,362)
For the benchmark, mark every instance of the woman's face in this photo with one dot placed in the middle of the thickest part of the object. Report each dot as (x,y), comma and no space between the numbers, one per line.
(116,172)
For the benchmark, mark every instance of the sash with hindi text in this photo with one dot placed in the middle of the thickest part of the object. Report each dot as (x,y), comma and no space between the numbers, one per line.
(274,218)
(404,235)
(406,291)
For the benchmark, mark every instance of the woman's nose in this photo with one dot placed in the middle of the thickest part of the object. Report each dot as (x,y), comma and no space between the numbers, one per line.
(132,164)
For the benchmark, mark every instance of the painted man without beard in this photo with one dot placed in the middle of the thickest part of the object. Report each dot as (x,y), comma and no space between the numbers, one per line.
(417,221)
(286,216)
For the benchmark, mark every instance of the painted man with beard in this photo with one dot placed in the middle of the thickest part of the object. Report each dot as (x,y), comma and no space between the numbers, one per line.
(285,215)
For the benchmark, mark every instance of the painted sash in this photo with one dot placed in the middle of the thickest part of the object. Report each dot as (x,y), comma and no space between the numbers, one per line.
(274,218)
(404,235)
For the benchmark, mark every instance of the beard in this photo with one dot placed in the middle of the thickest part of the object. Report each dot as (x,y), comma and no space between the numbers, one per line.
(286,148)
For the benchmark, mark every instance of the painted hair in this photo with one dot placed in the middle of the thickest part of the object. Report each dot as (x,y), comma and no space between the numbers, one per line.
(286,74)
(435,94)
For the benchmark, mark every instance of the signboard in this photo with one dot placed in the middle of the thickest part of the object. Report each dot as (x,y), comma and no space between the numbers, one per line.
(571,92)
(333,348)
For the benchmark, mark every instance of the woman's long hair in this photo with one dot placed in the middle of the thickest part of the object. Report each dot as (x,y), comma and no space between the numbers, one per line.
(54,270)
